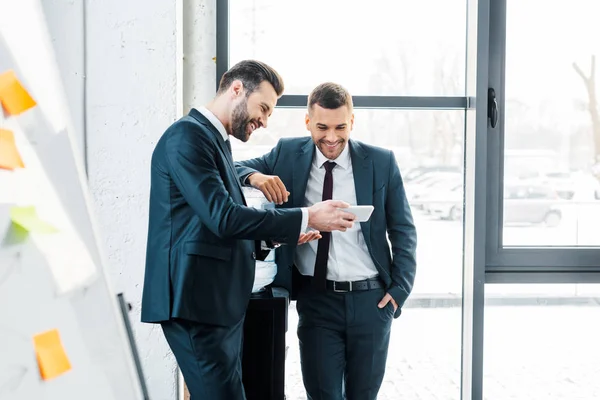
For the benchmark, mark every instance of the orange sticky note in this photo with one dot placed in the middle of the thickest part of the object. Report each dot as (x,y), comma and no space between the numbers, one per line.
(13,96)
(9,155)
(51,357)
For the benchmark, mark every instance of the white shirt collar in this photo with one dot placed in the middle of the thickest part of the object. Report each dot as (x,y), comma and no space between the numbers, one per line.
(343,160)
(215,121)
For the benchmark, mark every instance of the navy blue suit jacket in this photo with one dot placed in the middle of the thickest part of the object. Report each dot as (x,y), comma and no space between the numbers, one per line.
(377,182)
(200,259)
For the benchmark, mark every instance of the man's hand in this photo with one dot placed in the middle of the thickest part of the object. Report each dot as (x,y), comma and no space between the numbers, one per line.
(271,186)
(309,237)
(326,216)
(387,298)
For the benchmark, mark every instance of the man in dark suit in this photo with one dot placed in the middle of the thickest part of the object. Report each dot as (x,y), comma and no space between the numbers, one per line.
(350,285)
(202,246)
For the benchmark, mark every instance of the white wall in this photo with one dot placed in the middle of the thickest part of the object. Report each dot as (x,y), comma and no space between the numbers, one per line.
(199,48)
(66,25)
(131,87)
(125,95)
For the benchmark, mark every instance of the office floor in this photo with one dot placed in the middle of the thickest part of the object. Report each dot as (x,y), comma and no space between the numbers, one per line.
(531,354)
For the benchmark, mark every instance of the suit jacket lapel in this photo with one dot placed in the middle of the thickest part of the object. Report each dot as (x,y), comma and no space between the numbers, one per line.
(224,150)
(301,170)
(362,168)
(230,164)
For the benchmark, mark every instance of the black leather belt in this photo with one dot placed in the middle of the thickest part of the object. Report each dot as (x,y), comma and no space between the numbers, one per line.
(367,284)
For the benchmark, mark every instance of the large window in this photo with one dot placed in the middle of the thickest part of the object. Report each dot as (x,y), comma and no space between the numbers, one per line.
(386,56)
(399,47)
(544,190)
(506,208)
(399,106)
(551,193)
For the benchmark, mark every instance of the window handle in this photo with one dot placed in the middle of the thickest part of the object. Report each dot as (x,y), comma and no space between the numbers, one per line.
(492,111)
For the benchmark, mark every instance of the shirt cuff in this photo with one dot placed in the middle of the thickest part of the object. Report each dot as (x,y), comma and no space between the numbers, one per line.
(246,181)
(304,220)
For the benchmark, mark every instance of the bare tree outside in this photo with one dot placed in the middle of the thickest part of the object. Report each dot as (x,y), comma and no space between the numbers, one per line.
(589,80)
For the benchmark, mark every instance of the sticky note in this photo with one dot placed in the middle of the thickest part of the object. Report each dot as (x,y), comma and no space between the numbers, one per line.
(13,96)
(9,154)
(50,354)
(27,218)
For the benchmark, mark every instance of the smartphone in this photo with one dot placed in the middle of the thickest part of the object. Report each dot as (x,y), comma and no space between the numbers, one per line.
(363,213)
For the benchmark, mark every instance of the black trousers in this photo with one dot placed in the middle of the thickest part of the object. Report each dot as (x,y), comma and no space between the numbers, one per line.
(344,340)
(209,358)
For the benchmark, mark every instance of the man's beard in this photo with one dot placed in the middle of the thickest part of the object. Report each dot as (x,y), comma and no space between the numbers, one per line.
(240,120)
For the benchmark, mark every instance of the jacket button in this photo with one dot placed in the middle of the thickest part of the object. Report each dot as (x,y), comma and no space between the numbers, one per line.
(254,255)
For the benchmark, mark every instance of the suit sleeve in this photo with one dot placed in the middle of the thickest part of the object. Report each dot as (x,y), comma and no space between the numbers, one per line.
(402,235)
(264,164)
(191,158)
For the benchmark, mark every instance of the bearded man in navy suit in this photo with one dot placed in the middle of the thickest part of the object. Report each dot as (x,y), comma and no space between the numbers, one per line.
(203,242)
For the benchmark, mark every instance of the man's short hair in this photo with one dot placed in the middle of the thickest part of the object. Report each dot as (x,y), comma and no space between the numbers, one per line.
(251,73)
(331,96)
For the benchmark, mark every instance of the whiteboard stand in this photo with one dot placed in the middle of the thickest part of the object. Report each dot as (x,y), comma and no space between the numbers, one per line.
(125,308)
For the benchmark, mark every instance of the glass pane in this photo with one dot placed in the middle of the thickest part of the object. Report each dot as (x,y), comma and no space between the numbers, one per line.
(541,342)
(399,47)
(552,124)
(426,339)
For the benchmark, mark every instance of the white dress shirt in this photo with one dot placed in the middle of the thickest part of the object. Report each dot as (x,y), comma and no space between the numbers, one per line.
(349,258)
(215,121)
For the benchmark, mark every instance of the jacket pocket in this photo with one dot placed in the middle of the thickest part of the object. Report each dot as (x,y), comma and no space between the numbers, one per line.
(208,250)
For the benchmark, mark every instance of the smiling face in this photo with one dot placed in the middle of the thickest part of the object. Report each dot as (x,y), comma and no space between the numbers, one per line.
(251,112)
(330,128)
(247,95)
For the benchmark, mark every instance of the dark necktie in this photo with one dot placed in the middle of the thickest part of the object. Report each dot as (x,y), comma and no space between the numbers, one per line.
(320,275)
(228,144)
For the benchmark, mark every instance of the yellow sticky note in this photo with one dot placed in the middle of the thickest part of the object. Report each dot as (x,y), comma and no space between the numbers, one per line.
(50,354)
(27,218)
(9,155)
(13,96)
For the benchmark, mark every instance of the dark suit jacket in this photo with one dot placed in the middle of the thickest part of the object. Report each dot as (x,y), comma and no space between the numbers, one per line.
(377,182)
(200,259)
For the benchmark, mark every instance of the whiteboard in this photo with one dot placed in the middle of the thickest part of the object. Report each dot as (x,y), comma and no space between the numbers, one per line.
(52,281)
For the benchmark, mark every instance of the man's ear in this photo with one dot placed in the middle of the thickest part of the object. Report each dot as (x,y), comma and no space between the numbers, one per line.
(352,122)
(237,88)
(307,121)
